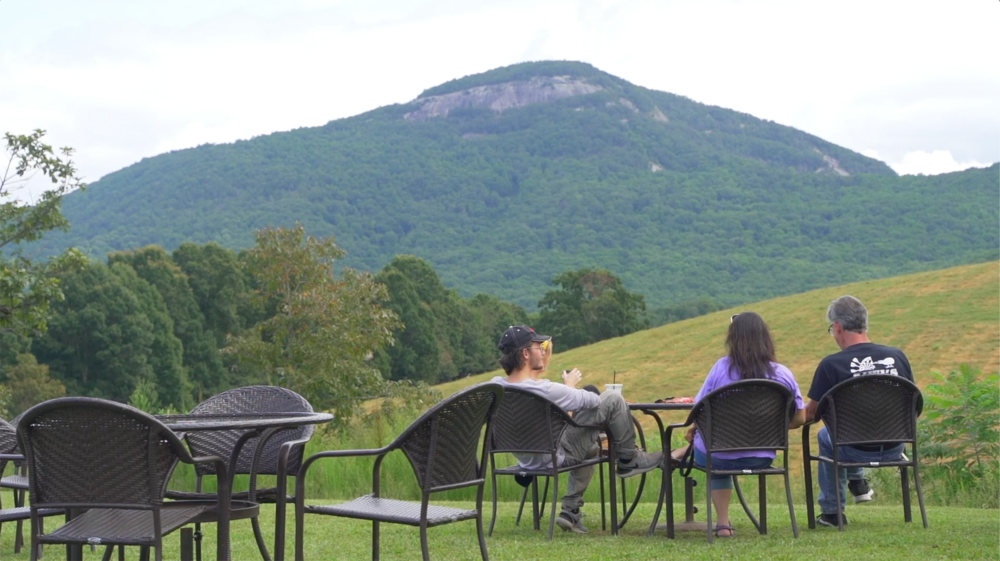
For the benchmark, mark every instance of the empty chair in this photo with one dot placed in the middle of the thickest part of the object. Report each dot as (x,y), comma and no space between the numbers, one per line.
(113,462)
(281,454)
(871,411)
(443,447)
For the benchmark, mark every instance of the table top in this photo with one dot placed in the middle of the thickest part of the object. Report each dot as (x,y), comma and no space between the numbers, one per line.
(661,406)
(188,422)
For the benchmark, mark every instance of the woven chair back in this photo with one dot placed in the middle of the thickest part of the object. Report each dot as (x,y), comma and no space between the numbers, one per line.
(874,409)
(86,451)
(746,415)
(246,400)
(8,441)
(443,444)
(526,422)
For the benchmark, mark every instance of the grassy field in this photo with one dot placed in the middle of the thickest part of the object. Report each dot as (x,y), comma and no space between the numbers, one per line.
(875,532)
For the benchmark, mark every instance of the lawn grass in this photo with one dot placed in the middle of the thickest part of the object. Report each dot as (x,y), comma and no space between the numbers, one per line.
(875,532)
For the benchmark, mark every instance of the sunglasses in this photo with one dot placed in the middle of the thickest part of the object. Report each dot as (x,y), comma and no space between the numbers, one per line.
(732,318)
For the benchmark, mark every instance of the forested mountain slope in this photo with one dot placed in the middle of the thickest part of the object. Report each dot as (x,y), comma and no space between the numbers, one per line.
(504,179)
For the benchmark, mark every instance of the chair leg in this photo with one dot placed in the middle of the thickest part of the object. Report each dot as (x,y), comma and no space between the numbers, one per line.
(555,497)
(482,539)
(836,477)
(423,541)
(493,520)
(905,479)
(535,515)
(807,471)
(791,509)
(708,495)
(259,537)
(666,496)
(600,474)
(763,503)
(920,493)
(375,540)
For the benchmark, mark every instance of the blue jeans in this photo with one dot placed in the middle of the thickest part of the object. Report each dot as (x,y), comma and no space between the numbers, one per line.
(726,481)
(827,482)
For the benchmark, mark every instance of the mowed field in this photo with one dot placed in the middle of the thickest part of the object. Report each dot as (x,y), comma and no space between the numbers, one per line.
(940,319)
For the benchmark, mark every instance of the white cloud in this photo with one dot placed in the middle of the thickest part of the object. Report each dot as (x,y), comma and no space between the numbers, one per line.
(920,162)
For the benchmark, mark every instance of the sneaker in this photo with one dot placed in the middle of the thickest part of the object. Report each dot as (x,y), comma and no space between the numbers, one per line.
(830,520)
(571,521)
(640,462)
(861,491)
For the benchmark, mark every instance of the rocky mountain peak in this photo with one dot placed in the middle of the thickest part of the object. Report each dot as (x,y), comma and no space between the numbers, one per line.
(502,96)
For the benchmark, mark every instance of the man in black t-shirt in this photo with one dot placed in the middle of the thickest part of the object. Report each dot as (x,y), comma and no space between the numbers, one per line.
(857,357)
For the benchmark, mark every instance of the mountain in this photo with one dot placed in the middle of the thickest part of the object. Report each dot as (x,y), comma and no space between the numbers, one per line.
(504,179)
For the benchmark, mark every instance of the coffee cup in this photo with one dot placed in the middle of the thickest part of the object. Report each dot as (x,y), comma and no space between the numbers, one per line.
(617,388)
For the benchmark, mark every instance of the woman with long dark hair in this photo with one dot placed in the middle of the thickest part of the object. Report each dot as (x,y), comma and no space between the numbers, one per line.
(751,355)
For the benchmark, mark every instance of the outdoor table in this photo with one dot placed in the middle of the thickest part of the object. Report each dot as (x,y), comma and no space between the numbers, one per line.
(653,410)
(263,425)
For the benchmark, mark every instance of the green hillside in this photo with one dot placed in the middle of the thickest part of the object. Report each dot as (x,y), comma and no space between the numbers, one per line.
(940,319)
(580,169)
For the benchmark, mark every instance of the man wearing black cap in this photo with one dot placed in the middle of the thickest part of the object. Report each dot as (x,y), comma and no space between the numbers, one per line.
(524,360)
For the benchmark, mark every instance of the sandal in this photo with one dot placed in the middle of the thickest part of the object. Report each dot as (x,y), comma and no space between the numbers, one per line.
(723,527)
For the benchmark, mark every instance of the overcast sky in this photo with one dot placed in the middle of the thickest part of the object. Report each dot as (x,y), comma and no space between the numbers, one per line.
(915,84)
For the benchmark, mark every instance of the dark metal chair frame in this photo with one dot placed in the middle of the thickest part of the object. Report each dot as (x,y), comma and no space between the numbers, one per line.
(17,483)
(113,462)
(748,415)
(280,453)
(872,410)
(442,447)
(9,453)
(528,423)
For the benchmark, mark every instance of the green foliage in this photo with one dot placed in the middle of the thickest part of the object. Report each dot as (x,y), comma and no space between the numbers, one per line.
(201,358)
(959,430)
(101,341)
(324,328)
(145,397)
(28,383)
(443,336)
(28,287)
(591,305)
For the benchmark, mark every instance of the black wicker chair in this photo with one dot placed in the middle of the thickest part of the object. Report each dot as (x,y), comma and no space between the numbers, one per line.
(281,453)
(113,462)
(877,409)
(744,416)
(9,452)
(17,482)
(529,423)
(443,449)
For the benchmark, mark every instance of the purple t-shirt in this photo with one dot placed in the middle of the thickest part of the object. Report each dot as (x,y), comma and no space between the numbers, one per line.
(719,376)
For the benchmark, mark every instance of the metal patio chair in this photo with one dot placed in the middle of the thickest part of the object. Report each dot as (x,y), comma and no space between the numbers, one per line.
(529,423)
(112,462)
(443,447)
(281,455)
(871,410)
(745,416)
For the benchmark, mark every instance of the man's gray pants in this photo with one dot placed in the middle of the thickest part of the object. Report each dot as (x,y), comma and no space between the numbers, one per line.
(580,444)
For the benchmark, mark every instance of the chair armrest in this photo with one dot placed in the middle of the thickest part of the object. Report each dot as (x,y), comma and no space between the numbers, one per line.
(11,457)
(339,454)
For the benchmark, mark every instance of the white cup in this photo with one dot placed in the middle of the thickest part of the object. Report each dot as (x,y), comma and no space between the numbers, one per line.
(617,388)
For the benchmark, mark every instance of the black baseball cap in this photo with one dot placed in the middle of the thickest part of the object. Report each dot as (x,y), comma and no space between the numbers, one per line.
(518,336)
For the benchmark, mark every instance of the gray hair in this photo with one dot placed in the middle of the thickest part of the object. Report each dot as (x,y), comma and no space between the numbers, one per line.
(850,313)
